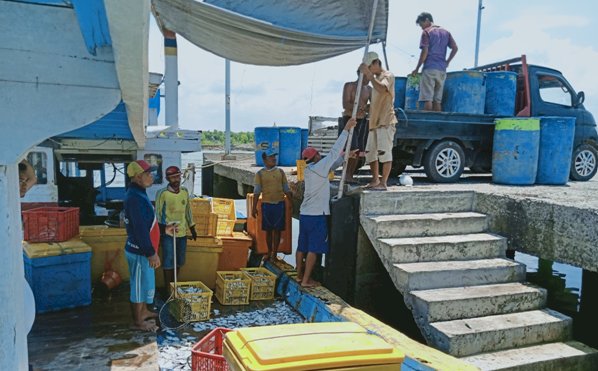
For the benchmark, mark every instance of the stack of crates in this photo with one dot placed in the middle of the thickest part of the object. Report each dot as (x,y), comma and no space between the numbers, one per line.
(206,222)
(195,304)
(263,283)
(232,288)
(227,217)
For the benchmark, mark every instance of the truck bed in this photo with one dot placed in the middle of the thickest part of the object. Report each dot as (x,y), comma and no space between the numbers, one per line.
(437,125)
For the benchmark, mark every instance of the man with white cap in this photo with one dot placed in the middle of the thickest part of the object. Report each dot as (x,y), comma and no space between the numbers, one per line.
(382,120)
(315,208)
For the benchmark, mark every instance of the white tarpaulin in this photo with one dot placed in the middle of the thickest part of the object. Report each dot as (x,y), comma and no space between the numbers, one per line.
(274,32)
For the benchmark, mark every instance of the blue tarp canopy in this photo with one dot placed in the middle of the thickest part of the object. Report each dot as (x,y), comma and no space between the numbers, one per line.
(274,32)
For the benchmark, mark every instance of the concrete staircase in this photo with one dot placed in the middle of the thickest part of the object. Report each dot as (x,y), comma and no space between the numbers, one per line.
(466,297)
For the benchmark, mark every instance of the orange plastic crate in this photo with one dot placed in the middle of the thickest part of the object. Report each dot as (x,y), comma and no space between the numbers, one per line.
(50,224)
(206,354)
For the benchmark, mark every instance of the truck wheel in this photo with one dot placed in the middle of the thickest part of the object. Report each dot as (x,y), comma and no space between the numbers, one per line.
(584,163)
(444,162)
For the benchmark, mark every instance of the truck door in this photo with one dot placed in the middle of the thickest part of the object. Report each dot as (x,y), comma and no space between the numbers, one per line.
(555,97)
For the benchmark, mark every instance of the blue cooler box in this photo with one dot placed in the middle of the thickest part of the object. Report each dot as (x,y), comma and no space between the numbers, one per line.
(59,274)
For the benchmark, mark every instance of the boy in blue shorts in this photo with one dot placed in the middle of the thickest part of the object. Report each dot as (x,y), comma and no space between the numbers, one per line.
(271,183)
(141,248)
(315,208)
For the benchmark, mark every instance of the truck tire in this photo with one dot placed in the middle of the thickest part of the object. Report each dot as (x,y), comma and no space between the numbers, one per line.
(584,163)
(444,162)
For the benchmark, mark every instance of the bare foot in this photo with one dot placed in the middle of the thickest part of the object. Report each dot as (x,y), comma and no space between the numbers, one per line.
(379,187)
(149,326)
(149,315)
(371,185)
(310,283)
(299,279)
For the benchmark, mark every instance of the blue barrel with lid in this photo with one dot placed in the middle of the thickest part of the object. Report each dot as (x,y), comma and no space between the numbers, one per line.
(304,138)
(515,151)
(400,86)
(412,92)
(501,88)
(464,92)
(290,146)
(556,149)
(265,138)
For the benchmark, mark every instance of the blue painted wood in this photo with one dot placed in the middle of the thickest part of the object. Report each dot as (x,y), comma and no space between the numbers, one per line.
(63,3)
(411,364)
(114,125)
(93,22)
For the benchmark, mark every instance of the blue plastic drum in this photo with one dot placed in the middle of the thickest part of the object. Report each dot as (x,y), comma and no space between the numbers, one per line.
(464,92)
(412,93)
(304,138)
(400,86)
(265,138)
(290,146)
(501,88)
(556,147)
(515,151)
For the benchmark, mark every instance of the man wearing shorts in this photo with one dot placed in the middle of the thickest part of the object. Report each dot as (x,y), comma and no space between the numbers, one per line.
(315,208)
(360,133)
(141,248)
(433,44)
(271,183)
(382,121)
(172,205)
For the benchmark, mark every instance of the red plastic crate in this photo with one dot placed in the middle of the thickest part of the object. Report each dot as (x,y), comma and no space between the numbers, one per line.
(206,354)
(50,224)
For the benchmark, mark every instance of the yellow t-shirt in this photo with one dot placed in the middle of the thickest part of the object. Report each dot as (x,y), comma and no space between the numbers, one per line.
(273,183)
(174,207)
(382,112)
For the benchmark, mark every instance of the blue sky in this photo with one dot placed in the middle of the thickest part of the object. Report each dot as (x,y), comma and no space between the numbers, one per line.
(552,33)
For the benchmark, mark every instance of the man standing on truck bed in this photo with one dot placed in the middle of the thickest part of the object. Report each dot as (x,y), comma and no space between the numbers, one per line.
(382,120)
(433,44)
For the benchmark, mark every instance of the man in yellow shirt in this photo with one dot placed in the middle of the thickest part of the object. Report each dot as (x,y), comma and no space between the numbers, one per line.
(172,205)
(271,183)
(382,120)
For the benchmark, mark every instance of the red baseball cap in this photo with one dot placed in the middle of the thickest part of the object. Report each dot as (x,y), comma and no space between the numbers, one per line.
(309,153)
(173,170)
(139,166)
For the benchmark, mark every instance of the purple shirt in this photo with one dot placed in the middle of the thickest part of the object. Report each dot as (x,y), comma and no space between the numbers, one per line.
(437,40)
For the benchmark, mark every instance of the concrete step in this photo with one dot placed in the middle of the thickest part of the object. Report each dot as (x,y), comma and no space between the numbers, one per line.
(570,356)
(416,202)
(477,301)
(461,247)
(470,336)
(423,225)
(442,274)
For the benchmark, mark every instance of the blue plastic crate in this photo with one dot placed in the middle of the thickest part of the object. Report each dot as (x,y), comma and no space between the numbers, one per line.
(59,282)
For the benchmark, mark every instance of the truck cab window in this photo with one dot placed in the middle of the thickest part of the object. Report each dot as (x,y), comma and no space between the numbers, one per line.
(554,90)
(39,162)
(155,160)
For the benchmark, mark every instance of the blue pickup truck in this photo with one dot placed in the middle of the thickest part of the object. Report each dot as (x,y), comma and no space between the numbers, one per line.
(445,143)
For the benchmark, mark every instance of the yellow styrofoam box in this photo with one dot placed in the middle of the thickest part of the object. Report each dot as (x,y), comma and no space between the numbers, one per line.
(45,249)
(107,250)
(201,263)
(310,346)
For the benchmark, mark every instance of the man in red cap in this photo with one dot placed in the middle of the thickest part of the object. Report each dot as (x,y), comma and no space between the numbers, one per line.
(315,208)
(141,248)
(173,207)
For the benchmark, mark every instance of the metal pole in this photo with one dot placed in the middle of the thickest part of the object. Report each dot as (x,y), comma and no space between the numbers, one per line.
(227,108)
(477,34)
(356,102)
(385,57)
